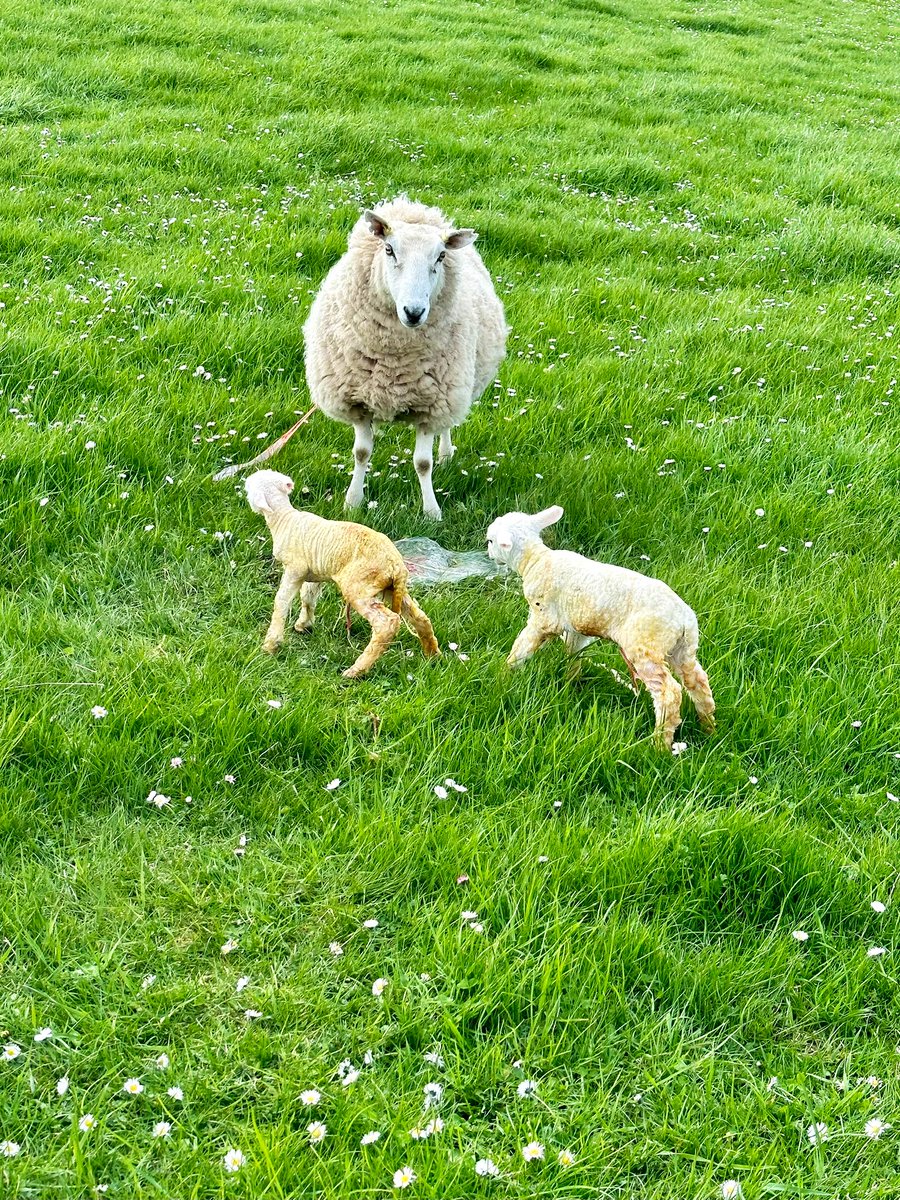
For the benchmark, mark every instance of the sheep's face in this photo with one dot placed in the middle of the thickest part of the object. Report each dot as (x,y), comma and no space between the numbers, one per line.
(508,536)
(414,264)
(265,488)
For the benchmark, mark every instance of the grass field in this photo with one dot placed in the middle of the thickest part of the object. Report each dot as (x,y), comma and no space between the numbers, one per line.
(693,216)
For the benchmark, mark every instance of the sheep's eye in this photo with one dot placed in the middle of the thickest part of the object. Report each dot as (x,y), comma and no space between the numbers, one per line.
(389,250)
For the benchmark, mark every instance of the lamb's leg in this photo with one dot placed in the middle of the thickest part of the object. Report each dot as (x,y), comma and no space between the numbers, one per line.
(532,637)
(363,441)
(574,643)
(696,683)
(666,693)
(288,589)
(384,629)
(446,449)
(309,598)
(423,460)
(420,623)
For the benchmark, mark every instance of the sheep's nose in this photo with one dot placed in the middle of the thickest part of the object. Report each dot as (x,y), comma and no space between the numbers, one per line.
(413,315)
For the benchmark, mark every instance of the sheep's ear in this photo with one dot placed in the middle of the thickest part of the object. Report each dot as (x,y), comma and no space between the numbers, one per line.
(379,227)
(548,517)
(458,238)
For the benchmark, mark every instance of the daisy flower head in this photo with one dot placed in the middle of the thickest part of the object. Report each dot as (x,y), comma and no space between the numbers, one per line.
(433,1057)
(528,1087)
(487,1168)
(876,951)
(436,1125)
(176,1093)
(242,983)
(417,1134)
(433,1093)
(877,906)
(162,1129)
(731,1190)
(162,1062)
(87,1123)
(9,1149)
(333,785)
(62,1085)
(440,791)
(336,949)
(350,1076)
(310,1097)
(370,923)
(316,1131)
(875,1128)
(11,1051)
(800,935)
(565,1158)
(378,986)
(233,1160)
(532,1151)
(228,946)
(817,1133)
(43,1034)
(404,1177)
(98,712)
(370,1138)
(133,1087)
(468,914)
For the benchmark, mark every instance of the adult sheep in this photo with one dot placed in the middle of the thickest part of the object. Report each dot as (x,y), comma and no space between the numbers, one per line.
(406,327)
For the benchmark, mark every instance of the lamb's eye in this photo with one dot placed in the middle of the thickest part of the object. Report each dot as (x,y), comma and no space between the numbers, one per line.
(389,250)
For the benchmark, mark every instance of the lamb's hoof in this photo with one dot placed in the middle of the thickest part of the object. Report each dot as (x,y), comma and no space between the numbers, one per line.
(708,725)
(353,501)
(302,626)
(432,650)
(271,646)
(353,673)
(443,459)
(433,514)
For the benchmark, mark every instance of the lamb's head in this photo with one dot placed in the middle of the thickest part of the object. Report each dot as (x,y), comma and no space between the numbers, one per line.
(508,536)
(268,491)
(414,254)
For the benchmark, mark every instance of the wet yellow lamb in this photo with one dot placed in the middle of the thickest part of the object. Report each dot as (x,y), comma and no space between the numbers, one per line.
(363,563)
(577,599)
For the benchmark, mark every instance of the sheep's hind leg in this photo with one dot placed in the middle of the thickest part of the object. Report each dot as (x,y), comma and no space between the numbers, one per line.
(309,598)
(385,625)
(666,693)
(288,589)
(696,684)
(446,449)
(421,624)
(423,458)
(363,442)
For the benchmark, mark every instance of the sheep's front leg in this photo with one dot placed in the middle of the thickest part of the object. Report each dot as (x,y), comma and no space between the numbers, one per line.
(288,589)
(446,449)
(363,442)
(385,625)
(424,463)
(530,640)
(309,598)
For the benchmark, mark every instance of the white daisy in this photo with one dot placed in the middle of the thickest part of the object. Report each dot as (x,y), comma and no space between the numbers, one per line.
(162,1129)
(162,1062)
(11,1051)
(368,1139)
(62,1085)
(371,923)
(404,1177)
(87,1123)
(43,1034)
(527,1087)
(877,906)
(228,946)
(133,1087)
(817,1133)
(9,1149)
(310,1097)
(233,1160)
(433,1093)
(875,1128)
(98,712)
(440,791)
(800,935)
(532,1151)
(176,1093)
(565,1158)
(330,787)
(486,1167)
(242,983)
(731,1190)
(349,1077)
(336,949)
(379,985)
(316,1131)
(432,1056)
(876,951)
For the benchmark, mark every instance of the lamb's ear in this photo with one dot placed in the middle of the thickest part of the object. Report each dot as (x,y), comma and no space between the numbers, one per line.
(288,484)
(459,238)
(256,498)
(376,224)
(548,517)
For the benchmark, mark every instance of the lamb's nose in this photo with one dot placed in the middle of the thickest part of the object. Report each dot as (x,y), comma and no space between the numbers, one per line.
(413,315)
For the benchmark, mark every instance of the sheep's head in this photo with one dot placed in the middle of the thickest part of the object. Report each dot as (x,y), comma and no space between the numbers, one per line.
(414,263)
(267,490)
(508,536)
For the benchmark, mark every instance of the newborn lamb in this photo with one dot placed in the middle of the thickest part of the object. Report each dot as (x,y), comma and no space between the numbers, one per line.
(363,563)
(579,600)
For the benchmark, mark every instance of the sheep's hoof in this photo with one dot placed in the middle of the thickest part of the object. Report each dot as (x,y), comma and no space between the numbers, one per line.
(302,626)
(271,646)
(433,514)
(352,673)
(708,725)
(432,650)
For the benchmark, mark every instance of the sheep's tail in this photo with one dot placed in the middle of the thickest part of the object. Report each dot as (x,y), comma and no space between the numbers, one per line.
(398,592)
(269,452)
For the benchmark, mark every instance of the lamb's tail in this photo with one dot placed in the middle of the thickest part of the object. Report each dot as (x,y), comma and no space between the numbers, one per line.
(398,592)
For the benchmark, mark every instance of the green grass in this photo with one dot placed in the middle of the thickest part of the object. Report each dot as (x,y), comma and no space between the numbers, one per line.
(692,214)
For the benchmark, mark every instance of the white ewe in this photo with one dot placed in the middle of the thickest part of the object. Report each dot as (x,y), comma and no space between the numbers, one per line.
(577,599)
(361,561)
(406,327)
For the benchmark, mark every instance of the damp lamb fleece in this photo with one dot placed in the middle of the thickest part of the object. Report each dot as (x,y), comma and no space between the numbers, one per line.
(361,362)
